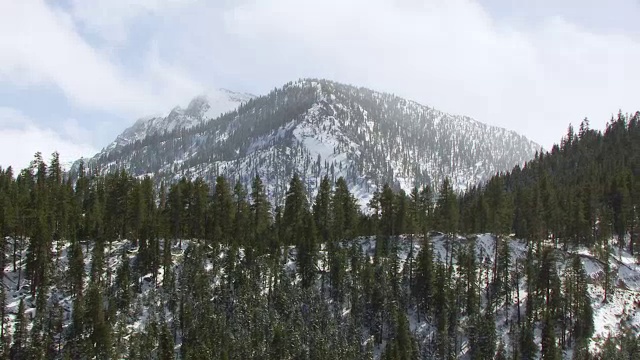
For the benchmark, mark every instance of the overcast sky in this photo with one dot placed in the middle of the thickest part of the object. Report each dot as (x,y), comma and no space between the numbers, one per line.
(75,73)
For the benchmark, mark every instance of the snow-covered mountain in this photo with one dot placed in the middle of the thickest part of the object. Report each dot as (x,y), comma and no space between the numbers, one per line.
(202,108)
(317,128)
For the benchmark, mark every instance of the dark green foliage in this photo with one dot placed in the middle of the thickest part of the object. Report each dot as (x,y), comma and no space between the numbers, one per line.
(625,346)
(241,228)
(222,211)
(447,209)
(307,252)
(403,346)
(501,353)
(322,208)
(440,312)
(609,350)
(550,350)
(579,302)
(98,326)
(18,348)
(344,212)
(423,287)
(296,209)
(482,336)
(528,348)
(387,213)
(165,352)
(260,215)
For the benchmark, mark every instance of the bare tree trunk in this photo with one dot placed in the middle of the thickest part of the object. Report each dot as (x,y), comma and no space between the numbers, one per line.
(518,291)
(20,268)
(14,253)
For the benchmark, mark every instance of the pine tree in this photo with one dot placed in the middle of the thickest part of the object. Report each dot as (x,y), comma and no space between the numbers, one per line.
(222,212)
(295,208)
(241,217)
(197,203)
(337,271)
(416,212)
(609,350)
(20,334)
(427,208)
(374,206)
(99,328)
(39,251)
(424,281)
(307,252)
(387,218)
(581,351)
(620,205)
(447,209)
(343,212)
(123,283)
(501,353)
(634,216)
(483,336)
(260,214)
(608,273)
(502,277)
(468,275)
(441,312)
(528,348)
(166,343)
(75,343)
(583,312)
(550,349)
(550,207)
(500,212)
(4,333)
(401,208)
(321,208)
(175,211)
(403,346)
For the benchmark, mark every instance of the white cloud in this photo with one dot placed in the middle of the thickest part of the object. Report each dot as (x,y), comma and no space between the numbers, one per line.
(452,55)
(21,138)
(40,45)
(110,20)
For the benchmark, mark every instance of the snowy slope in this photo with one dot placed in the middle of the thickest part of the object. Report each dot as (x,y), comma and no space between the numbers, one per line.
(317,128)
(622,309)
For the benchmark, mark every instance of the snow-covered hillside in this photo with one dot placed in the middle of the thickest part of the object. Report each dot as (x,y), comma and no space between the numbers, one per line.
(622,310)
(317,128)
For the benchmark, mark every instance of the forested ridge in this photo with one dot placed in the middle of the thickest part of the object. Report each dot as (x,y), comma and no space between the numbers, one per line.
(316,128)
(111,266)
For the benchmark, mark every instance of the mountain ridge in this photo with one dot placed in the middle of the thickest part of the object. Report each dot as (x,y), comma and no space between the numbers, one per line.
(201,108)
(318,127)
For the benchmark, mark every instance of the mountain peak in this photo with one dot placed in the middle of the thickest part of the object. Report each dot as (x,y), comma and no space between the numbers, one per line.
(318,128)
(200,109)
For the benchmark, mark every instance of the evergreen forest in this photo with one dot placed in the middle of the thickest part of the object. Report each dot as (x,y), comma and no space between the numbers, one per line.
(119,266)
